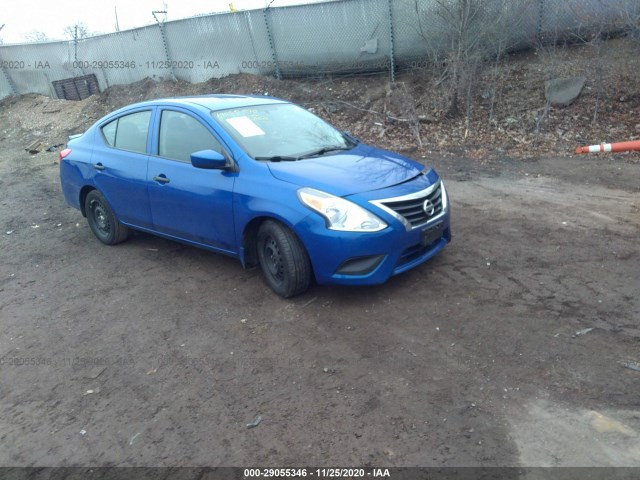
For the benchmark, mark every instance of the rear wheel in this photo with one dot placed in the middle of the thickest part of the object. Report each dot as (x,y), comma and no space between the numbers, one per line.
(284,261)
(102,220)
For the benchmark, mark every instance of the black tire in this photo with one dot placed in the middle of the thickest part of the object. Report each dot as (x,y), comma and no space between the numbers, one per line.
(102,221)
(284,261)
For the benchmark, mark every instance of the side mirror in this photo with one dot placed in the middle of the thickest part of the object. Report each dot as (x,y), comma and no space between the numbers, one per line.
(209,160)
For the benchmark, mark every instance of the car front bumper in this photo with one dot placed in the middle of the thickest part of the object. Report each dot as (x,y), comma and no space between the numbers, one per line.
(349,258)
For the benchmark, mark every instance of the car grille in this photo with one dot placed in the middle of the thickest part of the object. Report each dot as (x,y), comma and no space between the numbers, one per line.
(413,210)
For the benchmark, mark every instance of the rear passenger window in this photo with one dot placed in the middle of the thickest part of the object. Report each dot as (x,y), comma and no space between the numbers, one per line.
(181,135)
(128,132)
(109,132)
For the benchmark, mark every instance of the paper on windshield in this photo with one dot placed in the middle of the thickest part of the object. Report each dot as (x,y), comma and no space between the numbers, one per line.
(245,126)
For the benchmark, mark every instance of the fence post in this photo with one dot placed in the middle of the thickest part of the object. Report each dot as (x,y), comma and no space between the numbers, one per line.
(274,56)
(75,53)
(540,20)
(14,90)
(392,62)
(5,73)
(165,44)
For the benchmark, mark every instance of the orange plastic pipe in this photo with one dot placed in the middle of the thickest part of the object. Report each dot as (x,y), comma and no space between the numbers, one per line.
(611,147)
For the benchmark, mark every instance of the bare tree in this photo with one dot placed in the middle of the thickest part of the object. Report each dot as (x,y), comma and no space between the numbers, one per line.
(36,36)
(628,15)
(596,27)
(469,33)
(459,18)
(548,52)
(76,31)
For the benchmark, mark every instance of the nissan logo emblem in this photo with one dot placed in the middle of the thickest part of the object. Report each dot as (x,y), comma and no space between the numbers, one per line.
(428,207)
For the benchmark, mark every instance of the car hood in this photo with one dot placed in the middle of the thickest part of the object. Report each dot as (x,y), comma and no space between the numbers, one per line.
(361,169)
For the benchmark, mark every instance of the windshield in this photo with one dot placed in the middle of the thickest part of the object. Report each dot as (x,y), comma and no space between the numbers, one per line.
(281,132)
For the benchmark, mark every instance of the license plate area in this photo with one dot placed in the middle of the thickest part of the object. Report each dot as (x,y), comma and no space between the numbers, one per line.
(432,233)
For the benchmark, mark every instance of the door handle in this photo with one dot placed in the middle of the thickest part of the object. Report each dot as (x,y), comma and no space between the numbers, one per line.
(98,166)
(161,179)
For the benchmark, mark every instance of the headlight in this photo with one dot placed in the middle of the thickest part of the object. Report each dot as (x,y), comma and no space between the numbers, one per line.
(341,214)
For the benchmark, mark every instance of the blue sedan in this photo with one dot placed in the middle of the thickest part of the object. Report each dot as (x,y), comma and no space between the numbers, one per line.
(259,179)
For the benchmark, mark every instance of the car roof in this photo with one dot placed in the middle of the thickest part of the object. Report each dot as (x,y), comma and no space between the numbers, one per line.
(218,102)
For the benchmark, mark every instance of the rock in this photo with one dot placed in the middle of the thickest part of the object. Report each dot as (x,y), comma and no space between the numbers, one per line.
(583,331)
(563,91)
(331,107)
(631,365)
(256,421)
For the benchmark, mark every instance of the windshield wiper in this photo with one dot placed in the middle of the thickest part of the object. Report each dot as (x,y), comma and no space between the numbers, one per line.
(277,158)
(350,138)
(323,150)
(285,158)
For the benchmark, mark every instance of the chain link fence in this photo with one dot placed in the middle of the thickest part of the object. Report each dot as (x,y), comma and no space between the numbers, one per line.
(335,37)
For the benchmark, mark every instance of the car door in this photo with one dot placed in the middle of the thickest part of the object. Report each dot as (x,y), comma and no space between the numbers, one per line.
(187,202)
(120,166)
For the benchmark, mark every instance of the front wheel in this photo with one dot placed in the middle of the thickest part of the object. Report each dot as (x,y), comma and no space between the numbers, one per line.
(102,220)
(284,261)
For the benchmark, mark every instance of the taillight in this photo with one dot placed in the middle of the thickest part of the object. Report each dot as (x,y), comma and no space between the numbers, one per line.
(64,153)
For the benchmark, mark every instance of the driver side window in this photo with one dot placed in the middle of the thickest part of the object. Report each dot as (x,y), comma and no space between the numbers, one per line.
(181,135)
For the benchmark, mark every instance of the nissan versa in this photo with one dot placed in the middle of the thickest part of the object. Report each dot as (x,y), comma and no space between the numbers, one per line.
(262,180)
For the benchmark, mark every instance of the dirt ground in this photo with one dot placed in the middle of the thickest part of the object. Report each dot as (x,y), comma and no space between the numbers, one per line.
(154,353)
(511,348)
